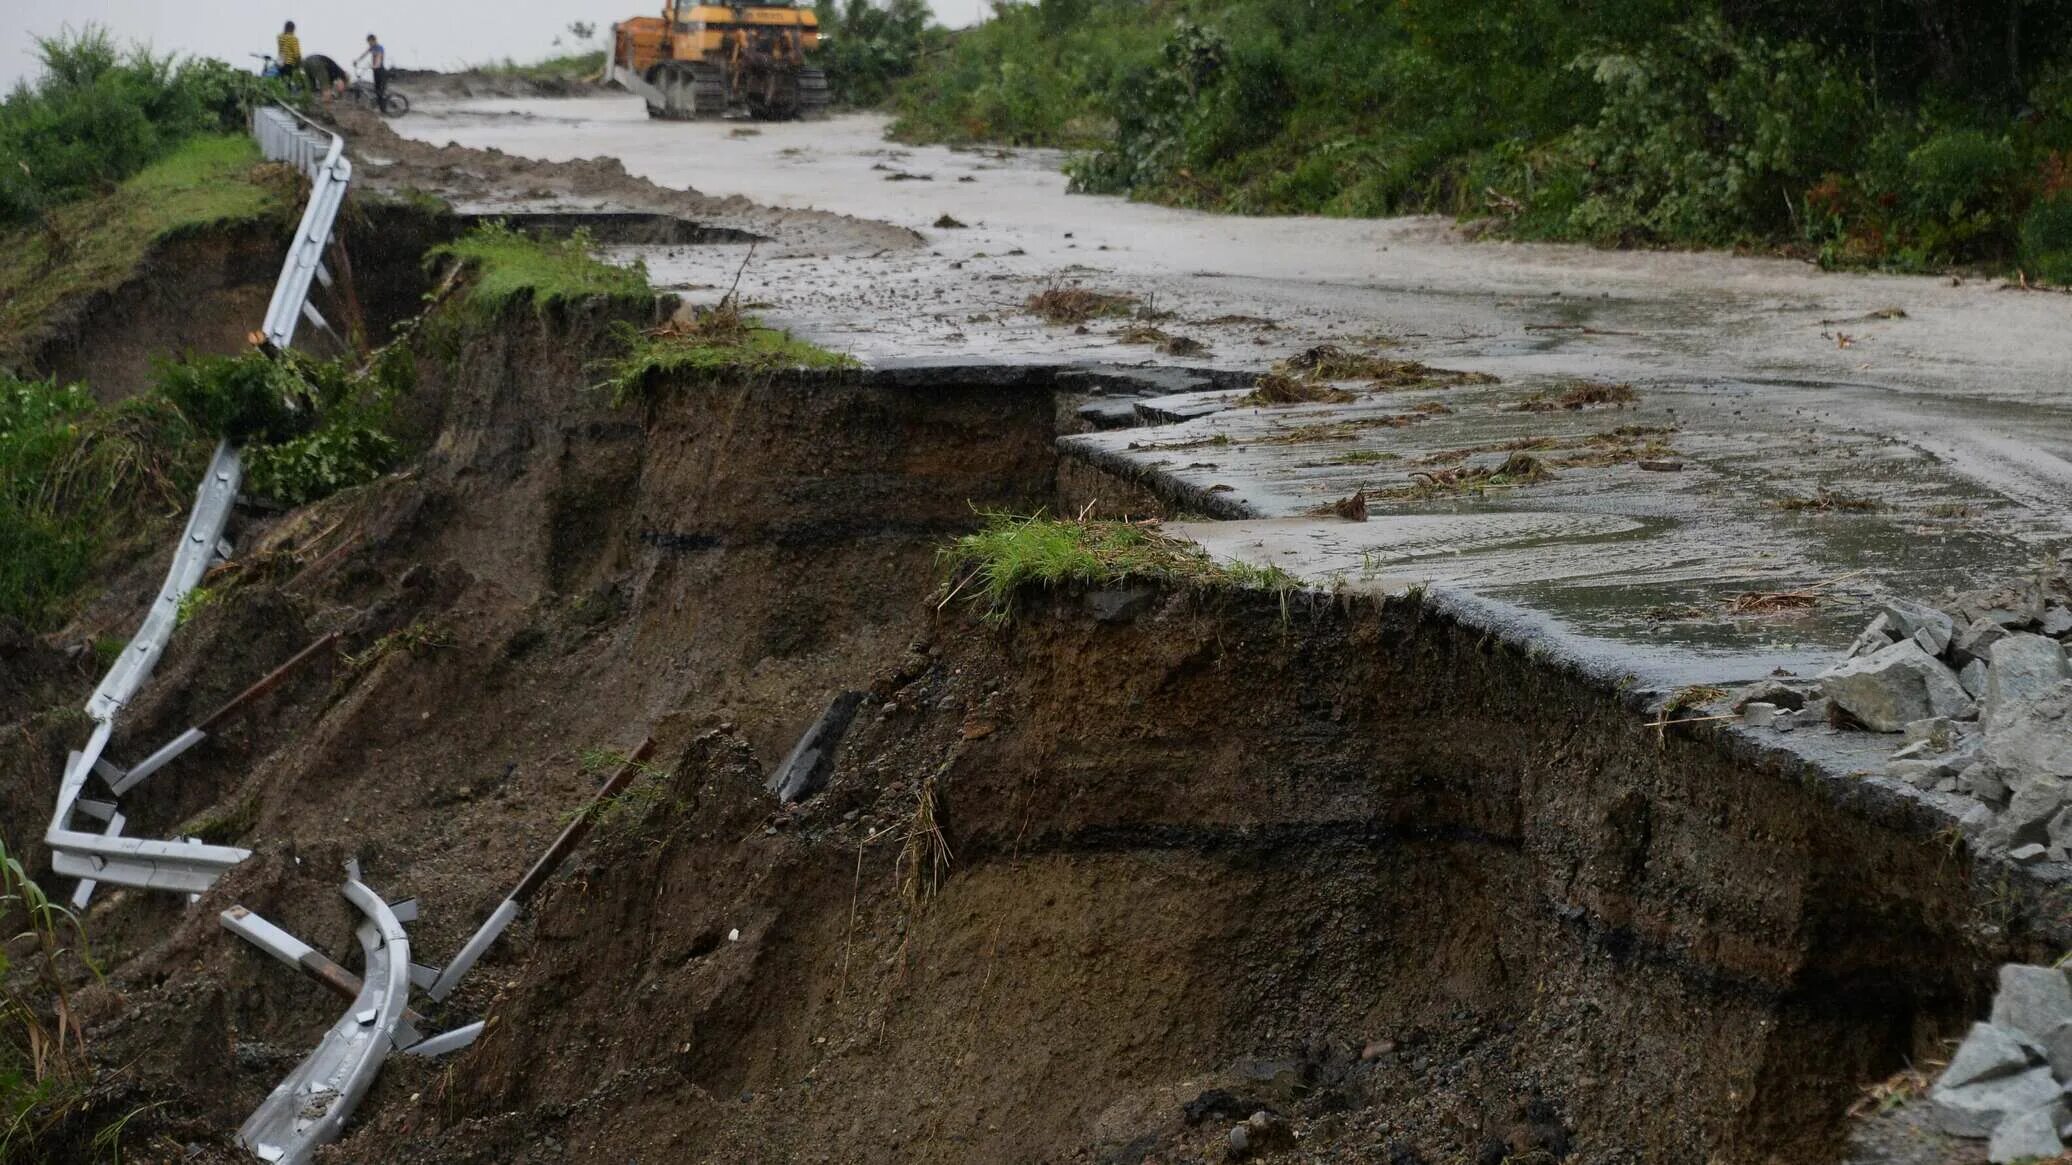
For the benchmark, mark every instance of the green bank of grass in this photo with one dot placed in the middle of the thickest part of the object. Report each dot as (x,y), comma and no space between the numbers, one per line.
(504,266)
(718,341)
(96,243)
(1913,136)
(83,484)
(1012,552)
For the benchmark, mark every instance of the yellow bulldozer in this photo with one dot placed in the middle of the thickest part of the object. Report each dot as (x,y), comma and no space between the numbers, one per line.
(718,60)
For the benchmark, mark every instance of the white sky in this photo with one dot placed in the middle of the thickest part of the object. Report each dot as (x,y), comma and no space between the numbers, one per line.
(419,34)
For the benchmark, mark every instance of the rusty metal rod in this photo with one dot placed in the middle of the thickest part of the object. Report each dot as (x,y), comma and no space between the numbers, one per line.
(122,782)
(268,682)
(537,876)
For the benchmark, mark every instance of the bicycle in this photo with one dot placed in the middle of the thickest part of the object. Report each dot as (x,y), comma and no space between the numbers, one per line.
(391,104)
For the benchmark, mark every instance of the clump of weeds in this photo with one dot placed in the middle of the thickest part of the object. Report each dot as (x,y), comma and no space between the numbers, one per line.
(1069,306)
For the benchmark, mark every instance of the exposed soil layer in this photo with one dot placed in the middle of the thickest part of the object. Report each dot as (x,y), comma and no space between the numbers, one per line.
(553,575)
(1358,867)
(1414,889)
(200,293)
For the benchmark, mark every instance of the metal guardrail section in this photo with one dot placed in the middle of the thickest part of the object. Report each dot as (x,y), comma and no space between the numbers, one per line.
(186,866)
(286,136)
(106,855)
(308,1109)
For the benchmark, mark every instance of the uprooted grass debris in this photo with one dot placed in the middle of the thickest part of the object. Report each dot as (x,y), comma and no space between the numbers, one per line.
(1067,306)
(1279,388)
(1515,470)
(719,340)
(1329,362)
(1824,500)
(1013,551)
(1581,394)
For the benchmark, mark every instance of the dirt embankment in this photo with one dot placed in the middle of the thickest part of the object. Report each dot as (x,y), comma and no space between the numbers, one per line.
(1361,868)
(554,575)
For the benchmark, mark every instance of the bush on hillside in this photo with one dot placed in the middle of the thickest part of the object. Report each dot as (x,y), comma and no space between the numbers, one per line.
(98,114)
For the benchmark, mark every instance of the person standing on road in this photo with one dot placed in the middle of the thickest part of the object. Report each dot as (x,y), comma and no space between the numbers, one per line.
(377,59)
(287,51)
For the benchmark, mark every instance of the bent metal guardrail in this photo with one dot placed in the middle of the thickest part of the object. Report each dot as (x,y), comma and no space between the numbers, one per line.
(308,1109)
(186,866)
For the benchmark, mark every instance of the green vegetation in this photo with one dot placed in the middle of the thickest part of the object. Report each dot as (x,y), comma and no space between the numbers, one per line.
(507,265)
(43,1068)
(718,341)
(80,481)
(567,67)
(1911,134)
(97,114)
(869,46)
(96,243)
(1012,552)
(75,478)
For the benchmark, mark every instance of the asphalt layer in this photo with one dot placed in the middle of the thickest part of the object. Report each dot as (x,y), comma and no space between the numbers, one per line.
(1938,406)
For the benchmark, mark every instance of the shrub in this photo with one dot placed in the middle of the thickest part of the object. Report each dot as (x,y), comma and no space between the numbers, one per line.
(98,114)
(2046,240)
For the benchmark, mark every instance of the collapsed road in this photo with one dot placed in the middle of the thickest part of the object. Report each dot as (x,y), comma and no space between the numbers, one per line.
(1458,850)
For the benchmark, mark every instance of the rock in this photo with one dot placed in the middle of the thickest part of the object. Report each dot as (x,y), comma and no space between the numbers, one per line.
(2028,1136)
(2028,854)
(2032,1001)
(2057,1048)
(1976,1109)
(1776,693)
(1977,638)
(1976,820)
(2023,667)
(1908,620)
(1268,1133)
(1983,780)
(1973,679)
(2033,799)
(1892,686)
(1240,1142)
(2034,738)
(1282,1080)
(1987,1052)
(1875,637)
(2056,621)
(1938,732)
(1923,773)
(1760,715)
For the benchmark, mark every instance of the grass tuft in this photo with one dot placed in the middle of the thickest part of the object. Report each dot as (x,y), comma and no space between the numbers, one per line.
(1068,306)
(1579,395)
(1014,551)
(716,341)
(506,266)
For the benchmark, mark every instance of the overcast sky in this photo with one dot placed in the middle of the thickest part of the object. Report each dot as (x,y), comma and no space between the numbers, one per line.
(419,34)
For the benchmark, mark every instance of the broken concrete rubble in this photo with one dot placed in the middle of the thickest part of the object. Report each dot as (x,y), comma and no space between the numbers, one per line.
(2003,1082)
(1894,685)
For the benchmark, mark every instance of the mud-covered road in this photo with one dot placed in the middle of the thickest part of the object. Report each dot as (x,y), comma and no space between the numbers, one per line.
(1940,403)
